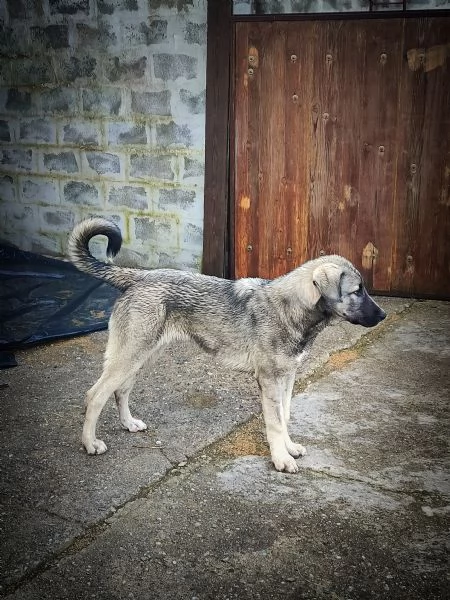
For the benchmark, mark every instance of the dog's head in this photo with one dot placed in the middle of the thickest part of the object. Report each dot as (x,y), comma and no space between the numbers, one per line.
(341,288)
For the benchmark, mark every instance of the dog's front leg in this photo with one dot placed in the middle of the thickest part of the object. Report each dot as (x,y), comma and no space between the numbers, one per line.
(272,397)
(294,449)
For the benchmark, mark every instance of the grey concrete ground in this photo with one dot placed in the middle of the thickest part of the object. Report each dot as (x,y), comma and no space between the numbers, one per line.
(192,508)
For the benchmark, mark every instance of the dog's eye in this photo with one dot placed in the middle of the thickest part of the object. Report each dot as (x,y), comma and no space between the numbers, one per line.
(359,290)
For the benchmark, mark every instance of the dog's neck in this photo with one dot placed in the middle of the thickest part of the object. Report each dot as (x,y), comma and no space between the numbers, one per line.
(296,316)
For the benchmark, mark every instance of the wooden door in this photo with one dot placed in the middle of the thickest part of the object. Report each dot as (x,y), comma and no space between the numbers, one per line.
(342,145)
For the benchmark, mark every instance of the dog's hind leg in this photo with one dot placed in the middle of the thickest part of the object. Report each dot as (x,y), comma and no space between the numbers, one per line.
(115,373)
(122,394)
(294,449)
(272,396)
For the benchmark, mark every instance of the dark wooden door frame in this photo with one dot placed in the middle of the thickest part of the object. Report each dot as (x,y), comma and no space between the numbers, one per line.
(218,201)
(218,101)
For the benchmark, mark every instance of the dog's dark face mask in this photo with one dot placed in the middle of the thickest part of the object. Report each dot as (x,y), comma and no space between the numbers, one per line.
(355,305)
(345,296)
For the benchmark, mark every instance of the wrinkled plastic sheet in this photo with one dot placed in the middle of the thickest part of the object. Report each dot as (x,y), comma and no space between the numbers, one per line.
(44,299)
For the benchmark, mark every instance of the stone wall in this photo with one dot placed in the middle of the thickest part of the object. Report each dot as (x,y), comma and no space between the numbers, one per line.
(102,110)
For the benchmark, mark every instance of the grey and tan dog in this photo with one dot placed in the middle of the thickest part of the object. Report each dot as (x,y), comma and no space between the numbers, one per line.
(254,325)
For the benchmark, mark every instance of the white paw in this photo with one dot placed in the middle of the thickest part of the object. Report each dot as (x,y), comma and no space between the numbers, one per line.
(295,450)
(95,446)
(134,425)
(285,463)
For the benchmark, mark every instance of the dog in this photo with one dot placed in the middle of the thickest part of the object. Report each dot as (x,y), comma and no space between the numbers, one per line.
(264,327)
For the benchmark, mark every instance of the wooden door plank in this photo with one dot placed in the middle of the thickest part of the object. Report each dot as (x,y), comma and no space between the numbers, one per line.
(323,139)
(242,166)
(411,109)
(421,253)
(348,214)
(432,265)
(434,214)
(250,216)
(271,194)
(379,148)
(300,42)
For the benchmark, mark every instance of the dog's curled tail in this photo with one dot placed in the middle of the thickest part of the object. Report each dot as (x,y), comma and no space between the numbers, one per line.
(79,254)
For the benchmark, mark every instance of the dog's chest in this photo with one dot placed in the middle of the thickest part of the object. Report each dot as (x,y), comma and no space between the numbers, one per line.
(300,350)
(300,342)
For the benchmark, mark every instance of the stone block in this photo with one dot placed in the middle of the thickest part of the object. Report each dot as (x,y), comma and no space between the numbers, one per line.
(142,33)
(17,9)
(52,36)
(154,230)
(103,163)
(178,4)
(171,66)
(5,134)
(185,259)
(81,133)
(19,239)
(242,7)
(37,131)
(151,167)
(104,102)
(56,220)
(193,235)
(18,101)
(108,7)
(16,159)
(194,102)
(15,38)
(176,199)
(69,7)
(195,33)
(155,32)
(22,9)
(7,75)
(193,168)
(171,134)
(18,217)
(125,70)
(32,71)
(103,35)
(39,190)
(63,162)
(60,100)
(144,229)
(47,244)
(151,103)
(128,257)
(81,193)
(7,189)
(279,7)
(127,133)
(131,196)
(115,217)
(76,67)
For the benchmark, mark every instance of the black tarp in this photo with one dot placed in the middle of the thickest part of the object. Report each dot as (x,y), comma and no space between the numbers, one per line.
(44,299)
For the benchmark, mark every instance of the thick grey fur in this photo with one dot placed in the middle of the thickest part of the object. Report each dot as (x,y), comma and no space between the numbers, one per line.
(254,325)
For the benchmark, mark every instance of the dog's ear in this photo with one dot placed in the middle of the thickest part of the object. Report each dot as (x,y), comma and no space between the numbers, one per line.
(327,281)
(310,293)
